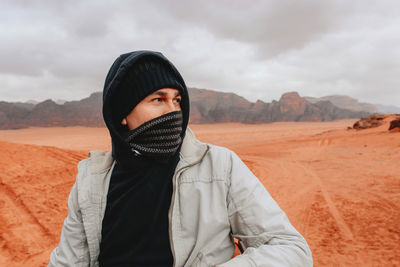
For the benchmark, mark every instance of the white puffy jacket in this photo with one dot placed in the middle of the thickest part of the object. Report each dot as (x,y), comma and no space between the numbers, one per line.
(215,198)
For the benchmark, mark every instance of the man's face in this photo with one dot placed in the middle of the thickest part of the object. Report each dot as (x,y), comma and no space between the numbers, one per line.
(158,103)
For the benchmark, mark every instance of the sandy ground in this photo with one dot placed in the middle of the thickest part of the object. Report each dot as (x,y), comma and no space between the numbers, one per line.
(340,188)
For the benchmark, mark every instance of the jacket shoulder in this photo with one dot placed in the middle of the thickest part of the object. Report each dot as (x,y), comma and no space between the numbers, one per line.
(219,160)
(99,161)
(92,174)
(221,153)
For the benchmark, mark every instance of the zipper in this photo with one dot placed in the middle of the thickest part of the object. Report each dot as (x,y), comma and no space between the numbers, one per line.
(170,213)
(171,208)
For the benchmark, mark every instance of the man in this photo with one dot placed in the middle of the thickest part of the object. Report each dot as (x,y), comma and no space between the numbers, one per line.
(161,197)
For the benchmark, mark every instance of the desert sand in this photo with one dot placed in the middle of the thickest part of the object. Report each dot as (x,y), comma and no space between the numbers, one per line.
(340,188)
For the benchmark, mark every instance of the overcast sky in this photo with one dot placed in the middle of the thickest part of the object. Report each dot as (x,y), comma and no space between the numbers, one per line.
(62,49)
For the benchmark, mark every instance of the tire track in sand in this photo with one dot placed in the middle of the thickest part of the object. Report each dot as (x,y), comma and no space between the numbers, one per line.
(15,240)
(323,144)
(290,196)
(343,227)
(316,182)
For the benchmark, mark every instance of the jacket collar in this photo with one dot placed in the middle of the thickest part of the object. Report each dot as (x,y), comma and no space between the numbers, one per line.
(192,151)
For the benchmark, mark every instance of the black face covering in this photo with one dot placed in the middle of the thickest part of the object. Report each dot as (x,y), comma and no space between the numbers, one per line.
(158,138)
(135,227)
(121,95)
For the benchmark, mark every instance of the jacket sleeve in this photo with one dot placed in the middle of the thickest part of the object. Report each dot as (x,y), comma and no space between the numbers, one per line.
(73,248)
(257,220)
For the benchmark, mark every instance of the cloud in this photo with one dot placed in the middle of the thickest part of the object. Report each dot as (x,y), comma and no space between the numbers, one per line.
(257,49)
(274,27)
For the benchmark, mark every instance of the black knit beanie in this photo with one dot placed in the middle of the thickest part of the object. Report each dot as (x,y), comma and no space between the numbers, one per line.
(146,76)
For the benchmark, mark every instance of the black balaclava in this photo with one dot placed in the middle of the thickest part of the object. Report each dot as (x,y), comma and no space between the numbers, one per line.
(157,139)
(135,227)
(131,78)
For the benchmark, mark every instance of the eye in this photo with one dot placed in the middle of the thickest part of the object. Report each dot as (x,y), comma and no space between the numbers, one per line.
(157,99)
(178,100)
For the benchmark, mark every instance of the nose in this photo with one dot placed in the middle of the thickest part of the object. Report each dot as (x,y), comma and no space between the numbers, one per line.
(171,106)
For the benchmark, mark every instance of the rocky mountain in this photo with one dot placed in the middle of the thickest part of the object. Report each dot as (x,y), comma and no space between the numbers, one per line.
(60,101)
(12,115)
(85,112)
(209,106)
(25,105)
(34,102)
(345,102)
(206,107)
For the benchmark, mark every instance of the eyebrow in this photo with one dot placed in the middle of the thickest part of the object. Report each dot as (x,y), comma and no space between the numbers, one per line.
(162,93)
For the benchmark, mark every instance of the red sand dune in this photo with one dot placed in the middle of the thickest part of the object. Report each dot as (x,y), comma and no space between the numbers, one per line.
(340,188)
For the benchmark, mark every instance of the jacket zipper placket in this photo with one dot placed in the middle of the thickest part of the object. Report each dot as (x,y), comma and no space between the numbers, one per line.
(171,213)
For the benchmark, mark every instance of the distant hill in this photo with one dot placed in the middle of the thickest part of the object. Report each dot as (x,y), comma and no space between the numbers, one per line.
(345,102)
(25,105)
(85,112)
(60,101)
(207,106)
(32,102)
(387,109)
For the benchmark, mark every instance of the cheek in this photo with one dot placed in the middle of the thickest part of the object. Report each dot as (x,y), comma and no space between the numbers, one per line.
(149,113)
(142,115)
